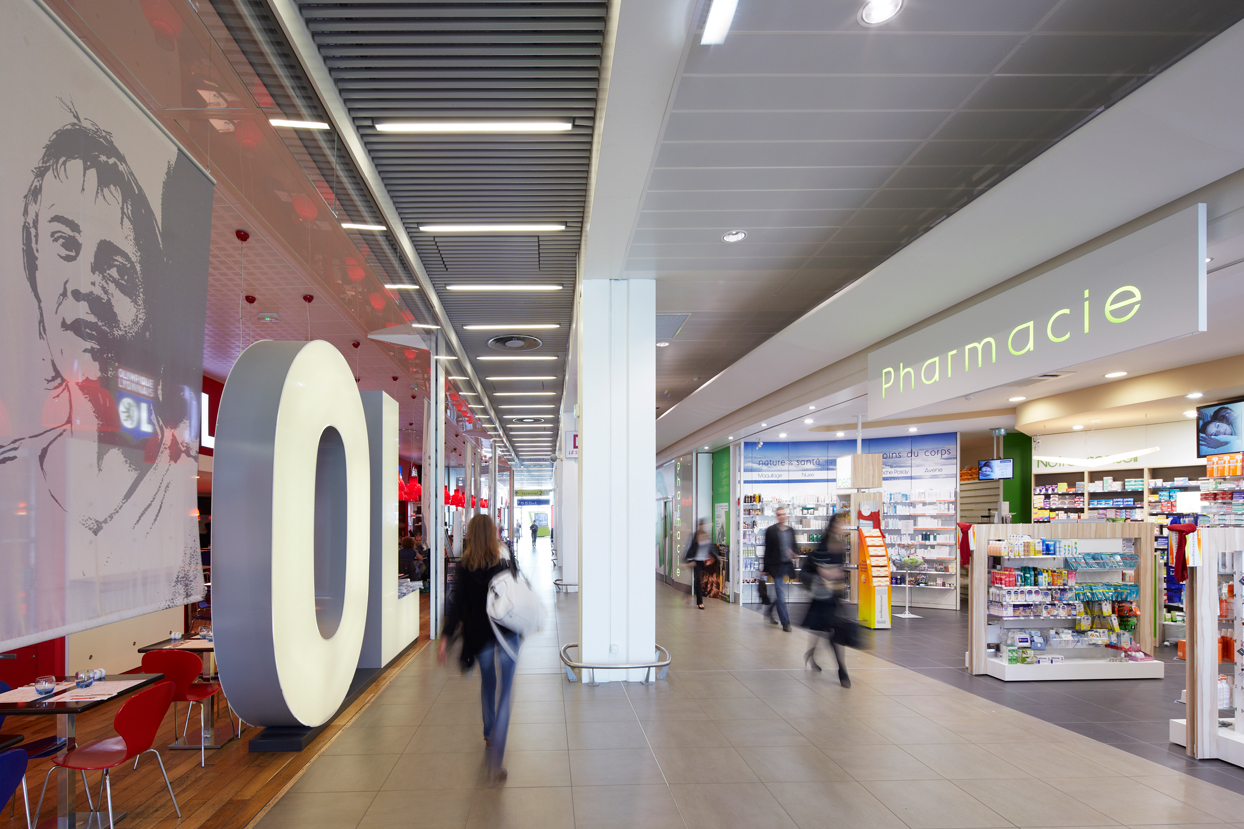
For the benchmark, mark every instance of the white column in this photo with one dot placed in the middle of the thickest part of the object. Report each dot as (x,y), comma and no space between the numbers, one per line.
(492,485)
(567,482)
(434,488)
(509,510)
(617,488)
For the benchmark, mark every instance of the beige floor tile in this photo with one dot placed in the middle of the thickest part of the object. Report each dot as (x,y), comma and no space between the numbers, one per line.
(761,733)
(986,728)
(1129,801)
(1124,762)
(346,773)
(625,807)
(908,731)
(700,764)
(614,767)
(668,709)
(779,764)
(537,693)
(363,740)
(419,809)
(439,739)
(833,805)
(610,734)
(536,737)
(683,733)
(599,710)
(1048,760)
(455,713)
(887,762)
(715,685)
(605,691)
(338,810)
(939,707)
(1223,804)
(838,732)
(457,770)
(387,716)
(518,808)
(537,768)
(934,804)
(875,706)
(1034,803)
(551,710)
(729,806)
(964,761)
(737,708)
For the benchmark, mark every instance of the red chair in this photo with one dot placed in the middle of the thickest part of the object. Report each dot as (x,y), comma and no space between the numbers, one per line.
(136,725)
(182,669)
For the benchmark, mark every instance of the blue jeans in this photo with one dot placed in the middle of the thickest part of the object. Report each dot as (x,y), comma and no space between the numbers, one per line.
(496,706)
(779,595)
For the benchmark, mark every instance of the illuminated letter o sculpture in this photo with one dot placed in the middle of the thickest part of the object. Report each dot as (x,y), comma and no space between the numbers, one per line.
(290,533)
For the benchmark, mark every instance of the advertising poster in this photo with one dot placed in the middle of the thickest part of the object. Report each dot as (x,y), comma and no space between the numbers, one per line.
(105,248)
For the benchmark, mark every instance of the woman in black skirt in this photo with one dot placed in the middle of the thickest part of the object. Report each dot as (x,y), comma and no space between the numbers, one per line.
(824,573)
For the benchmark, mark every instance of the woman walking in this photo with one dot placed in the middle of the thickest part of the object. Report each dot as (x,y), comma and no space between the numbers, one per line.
(702,552)
(467,607)
(825,575)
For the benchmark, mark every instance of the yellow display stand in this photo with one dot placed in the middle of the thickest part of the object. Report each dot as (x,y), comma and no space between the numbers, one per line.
(874,580)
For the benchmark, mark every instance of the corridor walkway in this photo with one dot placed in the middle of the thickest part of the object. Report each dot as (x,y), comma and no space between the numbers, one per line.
(739,735)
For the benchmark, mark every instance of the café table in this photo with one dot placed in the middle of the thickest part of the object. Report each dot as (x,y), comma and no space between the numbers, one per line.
(66,713)
(215,735)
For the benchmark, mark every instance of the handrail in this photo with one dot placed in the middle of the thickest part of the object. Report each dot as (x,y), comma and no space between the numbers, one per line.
(559,585)
(662,664)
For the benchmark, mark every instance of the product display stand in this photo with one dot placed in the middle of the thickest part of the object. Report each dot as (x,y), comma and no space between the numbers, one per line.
(874,574)
(1064,614)
(907,614)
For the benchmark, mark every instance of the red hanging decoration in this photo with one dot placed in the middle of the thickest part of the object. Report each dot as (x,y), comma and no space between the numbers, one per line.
(263,98)
(165,22)
(354,270)
(305,207)
(377,301)
(249,136)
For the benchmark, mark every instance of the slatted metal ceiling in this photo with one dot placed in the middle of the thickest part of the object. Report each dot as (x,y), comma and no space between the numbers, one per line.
(478,61)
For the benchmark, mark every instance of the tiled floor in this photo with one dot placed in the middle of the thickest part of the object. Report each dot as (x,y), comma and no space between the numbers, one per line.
(740,735)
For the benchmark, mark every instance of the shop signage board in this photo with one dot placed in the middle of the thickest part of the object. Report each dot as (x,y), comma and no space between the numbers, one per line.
(813,462)
(1145,288)
(533,502)
(1175,442)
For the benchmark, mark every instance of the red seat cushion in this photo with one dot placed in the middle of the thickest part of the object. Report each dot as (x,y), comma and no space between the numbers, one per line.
(100,754)
(201,690)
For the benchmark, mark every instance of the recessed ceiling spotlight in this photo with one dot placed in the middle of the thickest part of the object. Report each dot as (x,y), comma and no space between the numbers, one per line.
(912,429)
(1016,399)
(662,344)
(807,420)
(839,434)
(876,12)
(730,437)
(1095,420)
(1114,374)
(1209,259)
(813,408)
(1196,395)
(705,447)
(763,425)
(734,235)
(1190,413)
(782,435)
(1077,427)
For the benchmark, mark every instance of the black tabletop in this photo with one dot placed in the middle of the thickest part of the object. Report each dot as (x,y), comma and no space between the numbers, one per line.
(199,646)
(49,705)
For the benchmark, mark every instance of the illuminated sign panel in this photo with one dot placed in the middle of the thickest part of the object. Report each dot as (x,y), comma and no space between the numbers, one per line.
(1144,288)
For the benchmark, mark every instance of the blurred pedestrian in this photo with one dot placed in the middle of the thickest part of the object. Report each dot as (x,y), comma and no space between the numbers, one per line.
(535,531)
(779,564)
(824,573)
(467,608)
(702,551)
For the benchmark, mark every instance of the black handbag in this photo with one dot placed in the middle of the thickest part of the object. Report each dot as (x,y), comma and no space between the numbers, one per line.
(762,588)
(847,632)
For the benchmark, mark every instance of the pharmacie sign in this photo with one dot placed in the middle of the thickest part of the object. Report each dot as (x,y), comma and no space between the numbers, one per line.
(1144,288)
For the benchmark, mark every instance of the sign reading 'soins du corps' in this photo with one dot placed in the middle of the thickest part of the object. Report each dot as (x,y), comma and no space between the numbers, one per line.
(1144,288)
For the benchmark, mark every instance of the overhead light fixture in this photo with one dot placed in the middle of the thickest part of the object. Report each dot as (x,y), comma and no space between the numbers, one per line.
(524,393)
(839,434)
(396,287)
(268,316)
(730,437)
(1196,395)
(358,226)
(1209,259)
(662,344)
(876,12)
(734,236)
(503,287)
(1016,399)
(421,324)
(706,447)
(518,357)
(473,126)
(1104,461)
(531,377)
(446,357)
(763,425)
(782,435)
(497,227)
(717,24)
(807,420)
(1190,413)
(532,326)
(1112,375)
(298,125)
(912,429)
(459,378)
(1078,427)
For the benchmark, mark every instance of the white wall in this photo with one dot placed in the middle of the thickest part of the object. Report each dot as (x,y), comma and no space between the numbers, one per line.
(1176,444)
(115,647)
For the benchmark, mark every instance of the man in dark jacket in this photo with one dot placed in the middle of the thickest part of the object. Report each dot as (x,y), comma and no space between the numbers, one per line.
(779,564)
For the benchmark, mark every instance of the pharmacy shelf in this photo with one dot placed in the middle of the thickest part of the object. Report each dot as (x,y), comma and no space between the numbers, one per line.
(1074,668)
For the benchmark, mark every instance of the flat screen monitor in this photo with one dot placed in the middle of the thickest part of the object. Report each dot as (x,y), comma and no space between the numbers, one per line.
(998,469)
(1220,428)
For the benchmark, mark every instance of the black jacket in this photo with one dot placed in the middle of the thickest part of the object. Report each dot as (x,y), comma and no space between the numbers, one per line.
(695,548)
(467,606)
(773,548)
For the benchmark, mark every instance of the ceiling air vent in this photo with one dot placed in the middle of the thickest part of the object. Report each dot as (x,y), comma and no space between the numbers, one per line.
(668,325)
(1041,378)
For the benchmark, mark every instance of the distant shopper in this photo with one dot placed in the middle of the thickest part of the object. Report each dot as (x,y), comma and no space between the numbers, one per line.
(780,565)
(702,551)
(535,530)
(467,609)
(824,573)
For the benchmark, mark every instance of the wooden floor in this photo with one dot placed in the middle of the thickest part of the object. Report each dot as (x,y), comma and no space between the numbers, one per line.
(230,793)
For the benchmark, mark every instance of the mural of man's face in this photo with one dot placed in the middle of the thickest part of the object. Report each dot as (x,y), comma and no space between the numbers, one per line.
(89,275)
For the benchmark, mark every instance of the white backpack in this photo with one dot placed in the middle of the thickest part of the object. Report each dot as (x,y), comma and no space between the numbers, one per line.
(513,605)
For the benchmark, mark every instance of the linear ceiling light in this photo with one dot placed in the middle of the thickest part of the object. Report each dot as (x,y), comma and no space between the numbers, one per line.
(530,377)
(528,325)
(446,357)
(518,357)
(530,406)
(720,16)
(496,227)
(524,393)
(393,286)
(359,226)
(421,324)
(298,125)
(503,287)
(473,126)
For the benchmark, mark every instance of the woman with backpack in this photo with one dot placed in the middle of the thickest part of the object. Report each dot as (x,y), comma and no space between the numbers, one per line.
(467,607)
